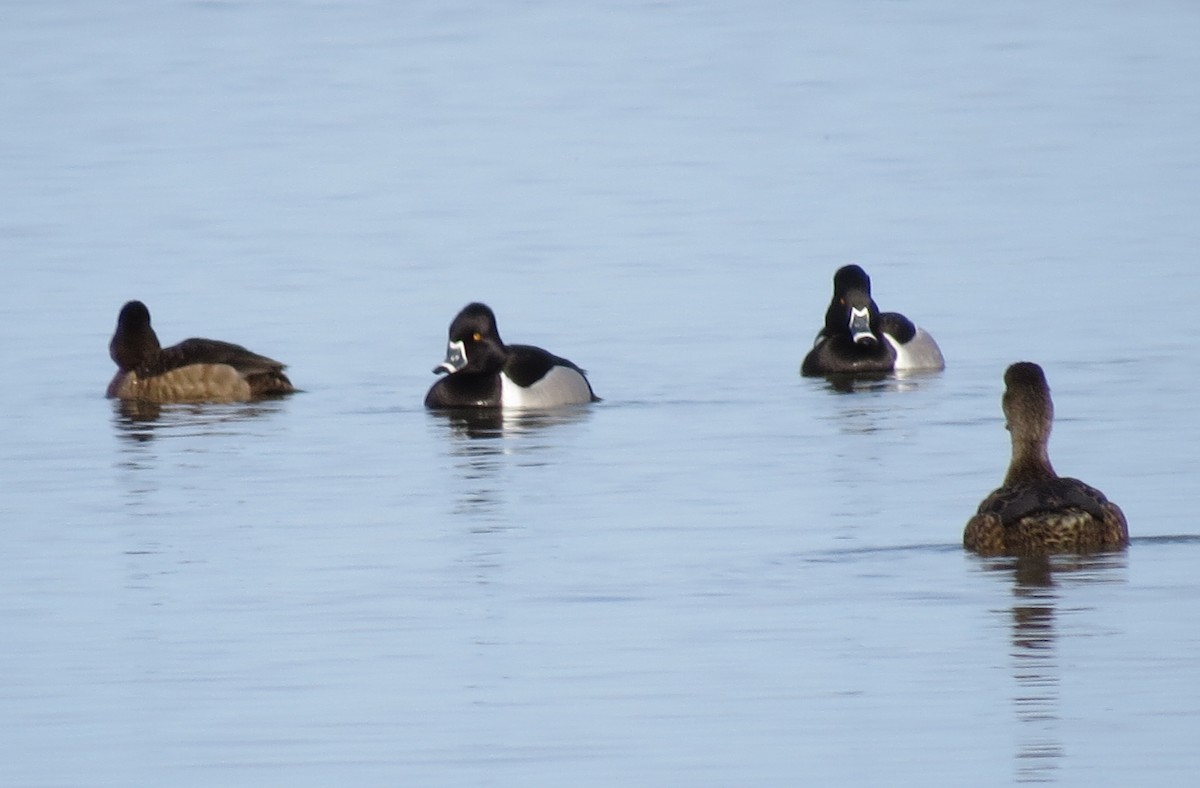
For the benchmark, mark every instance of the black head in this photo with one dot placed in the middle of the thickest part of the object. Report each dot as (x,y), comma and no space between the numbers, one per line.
(134,342)
(474,341)
(852,311)
(851,277)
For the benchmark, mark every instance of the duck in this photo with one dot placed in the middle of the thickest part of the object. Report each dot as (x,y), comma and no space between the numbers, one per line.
(483,372)
(858,338)
(195,370)
(1036,511)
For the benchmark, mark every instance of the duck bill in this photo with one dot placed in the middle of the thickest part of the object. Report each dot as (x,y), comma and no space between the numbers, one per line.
(456,359)
(860,326)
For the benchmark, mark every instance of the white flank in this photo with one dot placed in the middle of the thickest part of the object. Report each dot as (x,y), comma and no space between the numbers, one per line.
(921,352)
(560,386)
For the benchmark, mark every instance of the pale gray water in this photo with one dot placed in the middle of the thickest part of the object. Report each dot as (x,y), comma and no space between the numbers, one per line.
(723,574)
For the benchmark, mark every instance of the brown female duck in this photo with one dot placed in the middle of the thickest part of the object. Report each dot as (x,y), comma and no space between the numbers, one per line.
(195,370)
(1036,511)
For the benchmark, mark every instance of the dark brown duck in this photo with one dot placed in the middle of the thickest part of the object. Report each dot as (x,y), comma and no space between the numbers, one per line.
(1036,511)
(195,370)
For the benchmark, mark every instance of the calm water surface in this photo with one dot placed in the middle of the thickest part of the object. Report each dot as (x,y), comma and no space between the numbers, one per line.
(723,574)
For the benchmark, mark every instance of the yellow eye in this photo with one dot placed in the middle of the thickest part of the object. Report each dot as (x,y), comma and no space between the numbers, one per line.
(477,336)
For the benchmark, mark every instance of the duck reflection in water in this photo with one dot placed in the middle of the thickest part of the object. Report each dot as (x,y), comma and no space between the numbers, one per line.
(494,423)
(846,383)
(485,442)
(1036,671)
(141,421)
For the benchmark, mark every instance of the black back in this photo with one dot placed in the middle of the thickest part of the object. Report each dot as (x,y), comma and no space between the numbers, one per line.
(1014,502)
(213,351)
(897,326)
(526,364)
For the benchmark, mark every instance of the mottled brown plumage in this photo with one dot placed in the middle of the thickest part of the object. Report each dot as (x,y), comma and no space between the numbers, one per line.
(195,370)
(1036,511)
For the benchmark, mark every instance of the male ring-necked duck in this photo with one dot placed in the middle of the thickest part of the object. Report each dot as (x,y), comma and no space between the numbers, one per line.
(195,370)
(858,338)
(1036,511)
(486,373)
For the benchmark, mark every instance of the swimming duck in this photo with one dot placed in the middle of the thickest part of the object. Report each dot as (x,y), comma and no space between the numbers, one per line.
(858,338)
(195,370)
(486,373)
(1036,511)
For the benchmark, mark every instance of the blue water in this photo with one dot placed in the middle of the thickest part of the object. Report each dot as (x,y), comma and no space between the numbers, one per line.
(724,573)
